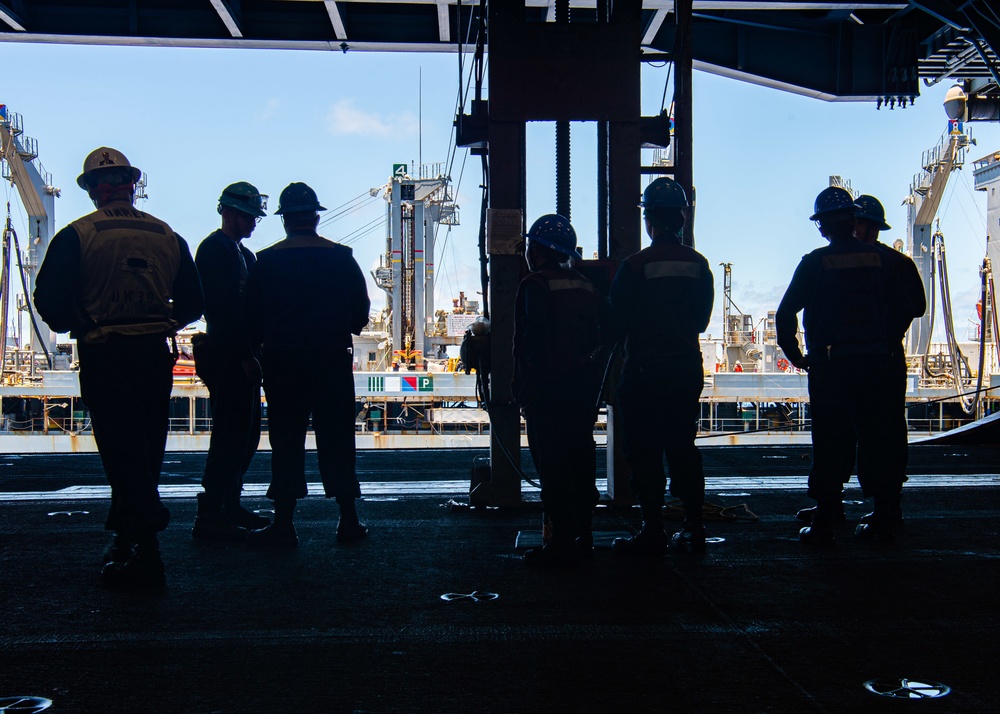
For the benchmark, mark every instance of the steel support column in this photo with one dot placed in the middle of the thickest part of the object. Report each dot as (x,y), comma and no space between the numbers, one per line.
(624,240)
(535,72)
(506,222)
(683,109)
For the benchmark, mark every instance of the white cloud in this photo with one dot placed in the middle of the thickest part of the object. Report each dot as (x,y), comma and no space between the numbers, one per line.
(346,118)
(269,110)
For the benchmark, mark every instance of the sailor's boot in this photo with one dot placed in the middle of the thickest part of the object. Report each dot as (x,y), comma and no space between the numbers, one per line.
(820,531)
(349,528)
(240,516)
(119,550)
(807,514)
(561,550)
(143,569)
(281,533)
(882,524)
(650,541)
(212,525)
(691,536)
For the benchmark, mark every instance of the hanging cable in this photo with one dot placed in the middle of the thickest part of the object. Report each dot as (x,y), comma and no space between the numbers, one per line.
(4,293)
(484,270)
(355,235)
(27,298)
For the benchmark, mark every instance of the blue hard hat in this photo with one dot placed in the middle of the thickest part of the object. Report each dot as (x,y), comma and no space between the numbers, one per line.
(555,232)
(298,198)
(870,208)
(833,198)
(664,193)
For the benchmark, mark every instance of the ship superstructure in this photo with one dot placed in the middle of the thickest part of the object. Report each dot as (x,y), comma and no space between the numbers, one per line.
(409,333)
(409,391)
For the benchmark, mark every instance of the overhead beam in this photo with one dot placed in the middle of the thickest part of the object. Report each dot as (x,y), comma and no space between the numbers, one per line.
(444,21)
(654,26)
(335,19)
(228,17)
(943,11)
(668,5)
(988,28)
(8,16)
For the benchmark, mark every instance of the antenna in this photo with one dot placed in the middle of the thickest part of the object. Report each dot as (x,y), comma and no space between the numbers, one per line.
(420,121)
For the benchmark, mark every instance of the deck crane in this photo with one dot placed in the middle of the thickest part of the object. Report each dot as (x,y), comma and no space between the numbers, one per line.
(418,200)
(926,192)
(19,154)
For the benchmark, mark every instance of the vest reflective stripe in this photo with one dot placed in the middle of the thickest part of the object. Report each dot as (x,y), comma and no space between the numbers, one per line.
(570,284)
(128,263)
(671,269)
(130,225)
(851,260)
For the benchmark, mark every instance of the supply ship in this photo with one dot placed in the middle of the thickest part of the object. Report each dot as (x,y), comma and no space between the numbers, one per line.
(412,390)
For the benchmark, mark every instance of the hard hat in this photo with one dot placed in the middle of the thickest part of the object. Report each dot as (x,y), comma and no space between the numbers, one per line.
(244,197)
(664,193)
(555,232)
(298,198)
(831,199)
(870,208)
(105,158)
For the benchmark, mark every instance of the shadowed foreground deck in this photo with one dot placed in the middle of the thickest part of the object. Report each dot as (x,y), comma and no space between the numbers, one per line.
(760,624)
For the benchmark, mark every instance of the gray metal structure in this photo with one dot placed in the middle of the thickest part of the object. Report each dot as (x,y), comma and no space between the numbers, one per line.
(417,206)
(19,154)
(926,192)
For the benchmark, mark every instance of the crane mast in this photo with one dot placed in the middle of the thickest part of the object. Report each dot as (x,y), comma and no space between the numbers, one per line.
(19,155)
(416,206)
(926,192)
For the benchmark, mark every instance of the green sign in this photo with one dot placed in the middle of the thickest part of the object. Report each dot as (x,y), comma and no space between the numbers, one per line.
(398,170)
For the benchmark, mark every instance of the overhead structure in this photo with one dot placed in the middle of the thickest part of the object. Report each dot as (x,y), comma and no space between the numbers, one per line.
(834,49)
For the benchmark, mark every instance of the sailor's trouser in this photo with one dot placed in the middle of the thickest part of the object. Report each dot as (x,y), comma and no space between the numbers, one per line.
(897,443)
(660,412)
(235,402)
(562,447)
(300,384)
(126,384)
(853,411)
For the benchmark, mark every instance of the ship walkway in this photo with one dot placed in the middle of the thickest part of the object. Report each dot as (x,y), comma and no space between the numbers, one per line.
(759,624)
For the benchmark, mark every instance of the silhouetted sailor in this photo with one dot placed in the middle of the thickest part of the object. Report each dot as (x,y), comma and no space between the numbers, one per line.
(906,303)
(843,290)
(664,295)
(558,368)
(227,362)
(122,283)
(304,298)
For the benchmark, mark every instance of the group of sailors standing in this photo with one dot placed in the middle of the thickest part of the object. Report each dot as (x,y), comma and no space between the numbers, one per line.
(857,297)
(122,282)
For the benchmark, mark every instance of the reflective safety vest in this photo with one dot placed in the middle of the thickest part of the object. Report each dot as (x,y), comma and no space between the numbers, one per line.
(128,263)
(565,355)
(674,292)
(848,312)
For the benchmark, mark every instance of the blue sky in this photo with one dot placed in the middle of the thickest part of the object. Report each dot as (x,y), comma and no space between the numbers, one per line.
(197,120)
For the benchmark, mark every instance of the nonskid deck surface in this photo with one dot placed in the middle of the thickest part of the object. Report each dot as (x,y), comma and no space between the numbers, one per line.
(760,624)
